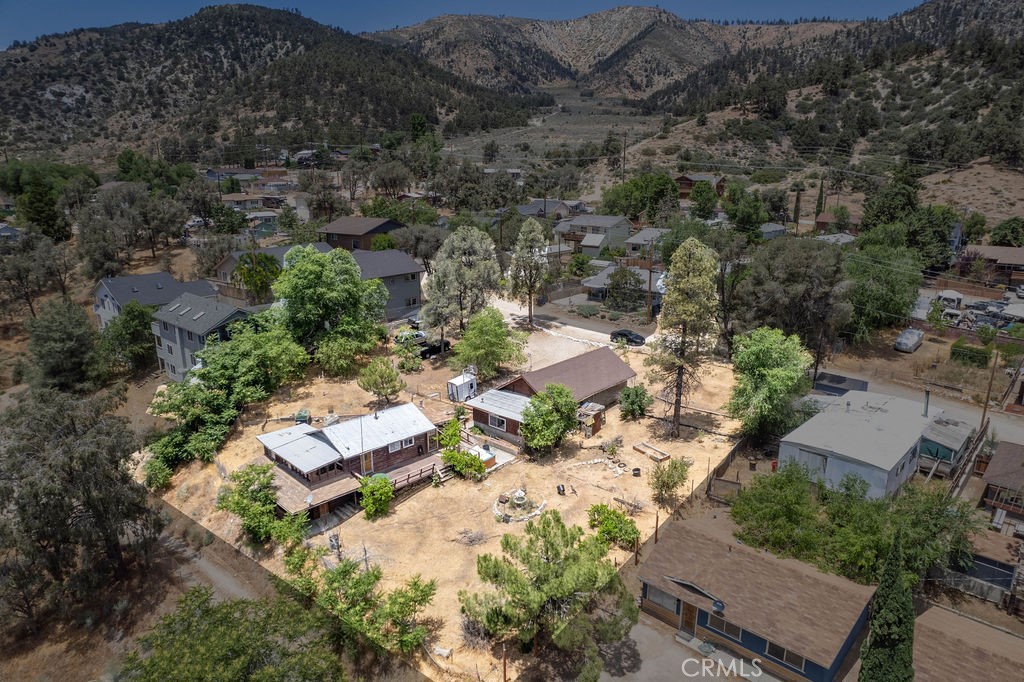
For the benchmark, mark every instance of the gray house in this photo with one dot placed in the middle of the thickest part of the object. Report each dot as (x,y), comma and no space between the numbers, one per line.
(615,227)
(9,233)
(155,289)
(645,241)
(182,326)
(400,275)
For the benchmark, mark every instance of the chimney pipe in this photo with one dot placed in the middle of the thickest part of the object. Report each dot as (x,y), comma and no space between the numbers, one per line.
(927,397)
(847,405)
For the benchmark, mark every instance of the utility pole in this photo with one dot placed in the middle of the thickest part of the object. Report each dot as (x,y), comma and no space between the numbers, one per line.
(650,277)
(988,393)
(622,168)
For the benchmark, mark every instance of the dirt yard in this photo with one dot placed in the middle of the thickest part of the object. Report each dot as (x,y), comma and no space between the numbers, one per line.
(422,534)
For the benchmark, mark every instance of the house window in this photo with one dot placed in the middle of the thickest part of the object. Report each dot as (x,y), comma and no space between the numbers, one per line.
(189,335)
(355,244)
(192,358)
(202,339)
(174,370)
(159,341)
(662,599)
(408,442)
(395,447)
(164,324)
(411,277)
(390,280)
(411,301)
(785,655)
(170,349)
(724,626)
(496,422)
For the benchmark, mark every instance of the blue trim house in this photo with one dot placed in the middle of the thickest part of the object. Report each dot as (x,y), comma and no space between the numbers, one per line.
(787,618)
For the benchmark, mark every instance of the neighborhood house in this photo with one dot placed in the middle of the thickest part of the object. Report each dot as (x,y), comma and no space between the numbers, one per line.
(355,232)
(182,327)
(688,180)
(400,275)
(319,470)
(224,274)
(159,288)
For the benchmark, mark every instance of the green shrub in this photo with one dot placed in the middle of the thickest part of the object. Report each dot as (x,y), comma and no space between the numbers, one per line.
(965,354)
(613,526)
(465,464)
(634,401)
(375,496)
(615,315)
(158,474)
(587,310)
(767,177)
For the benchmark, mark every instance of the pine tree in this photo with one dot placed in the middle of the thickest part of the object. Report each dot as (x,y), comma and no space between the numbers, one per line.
(888,653)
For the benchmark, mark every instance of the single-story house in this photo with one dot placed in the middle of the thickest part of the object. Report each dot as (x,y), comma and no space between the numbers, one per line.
(1008,260)
(874,436)
(182,327)
(546,208)
(686,182)
(9,233)
(615,227)
(223,278)
(772,231)
(240,174)
(826,222)
(241,201)
(943,443)
(781,616)
(155,289)
(1004,485)
(499,413)
(355,232)
(261,218)
(597,285)
(401,276)
(644,241)
(597,376)
(318,470)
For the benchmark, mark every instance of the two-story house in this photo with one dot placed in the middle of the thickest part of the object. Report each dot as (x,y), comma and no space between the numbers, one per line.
(182,327)
(355,232)
(241,201)
(152,290)
(223,275)
(595,232)
(401,277)
(686,182)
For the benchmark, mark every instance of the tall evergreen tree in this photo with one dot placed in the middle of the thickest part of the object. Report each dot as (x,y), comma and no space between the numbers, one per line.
(529,264)
(888,653)
(820,206)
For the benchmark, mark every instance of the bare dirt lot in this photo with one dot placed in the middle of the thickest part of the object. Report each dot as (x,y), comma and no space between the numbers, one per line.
(423,533)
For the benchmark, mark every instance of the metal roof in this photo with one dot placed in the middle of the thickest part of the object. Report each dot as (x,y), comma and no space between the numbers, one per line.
(501,403)
(594,240)
(302,446)
(948,432)
(866,427)
(369,432)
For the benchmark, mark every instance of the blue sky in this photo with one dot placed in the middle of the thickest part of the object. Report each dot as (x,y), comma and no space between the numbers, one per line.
(28,19)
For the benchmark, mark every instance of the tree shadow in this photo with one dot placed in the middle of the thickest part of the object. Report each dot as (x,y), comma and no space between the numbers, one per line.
(621,658)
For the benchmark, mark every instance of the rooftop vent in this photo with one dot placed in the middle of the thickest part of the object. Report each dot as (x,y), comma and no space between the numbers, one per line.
(135,290)
(185,310)
(198,315)
(173,307)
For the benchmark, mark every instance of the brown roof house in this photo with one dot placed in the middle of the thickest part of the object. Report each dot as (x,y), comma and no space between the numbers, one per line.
(595,378)
(355,232)
(319,470)
(1007,260)
(688,180)
(826,221)
(780,616)
(1004,485)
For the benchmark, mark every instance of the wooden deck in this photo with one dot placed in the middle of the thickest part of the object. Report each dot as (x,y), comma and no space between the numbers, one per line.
(292,494)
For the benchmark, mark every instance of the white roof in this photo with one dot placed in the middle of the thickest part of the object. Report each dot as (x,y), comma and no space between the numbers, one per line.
(594,240)
(1015,310)
(302,446)
(501,403)
(369,432)
(463,378)
(877,430)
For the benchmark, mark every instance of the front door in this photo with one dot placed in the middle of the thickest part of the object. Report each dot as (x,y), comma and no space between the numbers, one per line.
(689,622)
(367,463)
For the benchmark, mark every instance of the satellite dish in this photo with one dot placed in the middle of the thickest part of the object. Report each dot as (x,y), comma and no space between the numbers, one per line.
(309,498)
(718,606)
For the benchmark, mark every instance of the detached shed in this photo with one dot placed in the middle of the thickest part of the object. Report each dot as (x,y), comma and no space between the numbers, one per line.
(462,387)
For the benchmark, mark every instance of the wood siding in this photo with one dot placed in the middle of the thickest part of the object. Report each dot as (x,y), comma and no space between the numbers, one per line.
(661,613)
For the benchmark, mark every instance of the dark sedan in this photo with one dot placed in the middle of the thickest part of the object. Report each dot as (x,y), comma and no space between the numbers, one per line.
(435,348)
(629,336)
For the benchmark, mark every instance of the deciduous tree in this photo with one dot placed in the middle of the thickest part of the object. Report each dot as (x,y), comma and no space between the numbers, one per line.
(771,372)
(465,274)
(667,479)
(548,417)
(634,401)
(256,272)
(625,289)
(703,200)
(126,343)
(488,343)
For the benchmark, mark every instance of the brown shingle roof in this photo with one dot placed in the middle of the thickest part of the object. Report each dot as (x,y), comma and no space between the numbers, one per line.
(585,375)
(1006,468)
(786,601)
(1002,255)
(355,225)
(949,647)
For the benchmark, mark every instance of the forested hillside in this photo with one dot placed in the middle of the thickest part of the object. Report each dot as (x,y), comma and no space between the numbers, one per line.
(224,72)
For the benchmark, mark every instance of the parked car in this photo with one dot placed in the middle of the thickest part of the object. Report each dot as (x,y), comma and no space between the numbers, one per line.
(435,348)
(909,340)
(978,305)
(629,336)
(409,336)
(413,322)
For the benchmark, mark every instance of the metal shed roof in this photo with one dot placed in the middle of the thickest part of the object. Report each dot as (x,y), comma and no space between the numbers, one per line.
(501,403)
(302,446)
(369,432)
